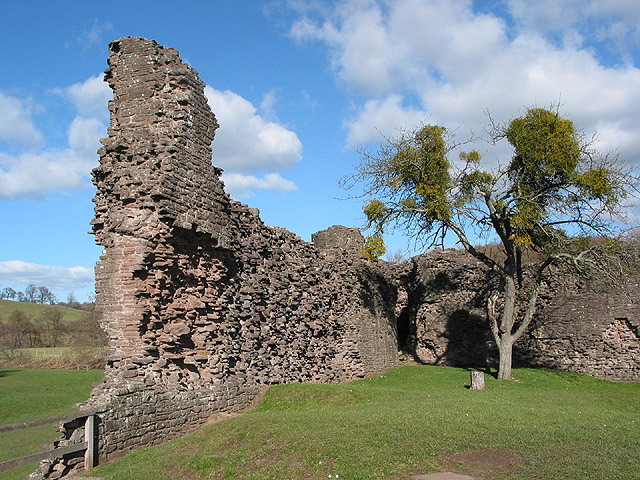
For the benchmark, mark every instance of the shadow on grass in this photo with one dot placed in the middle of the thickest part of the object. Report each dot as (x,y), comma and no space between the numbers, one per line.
(486,370)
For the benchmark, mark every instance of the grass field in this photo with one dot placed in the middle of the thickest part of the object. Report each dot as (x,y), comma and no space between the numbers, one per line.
(55,357)
(414,420)
(30,394)
(33,310)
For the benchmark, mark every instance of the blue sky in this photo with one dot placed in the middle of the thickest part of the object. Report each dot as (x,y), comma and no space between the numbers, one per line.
(298,87)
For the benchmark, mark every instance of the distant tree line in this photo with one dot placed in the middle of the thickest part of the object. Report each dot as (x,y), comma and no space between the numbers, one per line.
(31,294)
(42,295)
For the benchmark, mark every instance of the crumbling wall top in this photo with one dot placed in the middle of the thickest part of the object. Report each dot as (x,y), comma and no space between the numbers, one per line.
(343,239)
(155,166)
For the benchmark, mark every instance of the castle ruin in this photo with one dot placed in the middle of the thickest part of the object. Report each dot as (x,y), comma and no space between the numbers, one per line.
(204,305)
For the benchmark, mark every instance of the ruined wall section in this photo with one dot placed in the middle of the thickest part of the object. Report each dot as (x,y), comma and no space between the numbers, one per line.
(446,311)
(372,289)
(340,239)
(580,327)
(587,328)
(151,169)
(202,302)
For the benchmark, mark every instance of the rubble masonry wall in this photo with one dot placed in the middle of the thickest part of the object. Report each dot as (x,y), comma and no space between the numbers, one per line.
(202,302)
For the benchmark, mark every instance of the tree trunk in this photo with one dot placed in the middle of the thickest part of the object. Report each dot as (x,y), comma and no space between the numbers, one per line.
(505,349)
(502,330)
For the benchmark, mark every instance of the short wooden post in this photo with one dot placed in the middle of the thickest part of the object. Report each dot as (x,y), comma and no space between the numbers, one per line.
(477,380)
(89,437)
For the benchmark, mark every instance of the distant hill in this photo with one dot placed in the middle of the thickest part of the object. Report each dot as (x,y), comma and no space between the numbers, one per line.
(35,309)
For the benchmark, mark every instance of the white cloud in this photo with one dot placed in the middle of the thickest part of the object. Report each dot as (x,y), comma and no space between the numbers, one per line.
(16,126)
(242,186)
(612,19)
(245,141)
(449,64)
(32,173)
(365,58)
(268,105)
(381,117)
(55,278)
(610,29)
(94,35)
(377,49)
(84,135)
(546,15)
(90,97)
(360,50)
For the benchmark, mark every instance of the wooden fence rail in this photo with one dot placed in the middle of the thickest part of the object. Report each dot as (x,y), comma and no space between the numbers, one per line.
(88,445)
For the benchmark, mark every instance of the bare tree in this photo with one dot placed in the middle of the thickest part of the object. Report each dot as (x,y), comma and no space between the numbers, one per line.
(8,293)
(553,193)
(30,293)
(52,326)
(44,295)
(13,332)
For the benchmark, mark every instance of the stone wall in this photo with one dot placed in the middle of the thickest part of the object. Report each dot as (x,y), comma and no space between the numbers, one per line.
(581,327)
(445,320)
(587,328)
(339,238)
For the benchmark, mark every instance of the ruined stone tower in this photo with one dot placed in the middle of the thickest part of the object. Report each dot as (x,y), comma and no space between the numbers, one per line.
(203,302)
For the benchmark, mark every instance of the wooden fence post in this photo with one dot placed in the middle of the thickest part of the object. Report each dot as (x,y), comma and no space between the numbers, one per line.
(89,444)
(89,438)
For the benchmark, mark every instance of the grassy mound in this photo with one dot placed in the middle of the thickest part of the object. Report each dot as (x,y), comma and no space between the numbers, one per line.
(7,307)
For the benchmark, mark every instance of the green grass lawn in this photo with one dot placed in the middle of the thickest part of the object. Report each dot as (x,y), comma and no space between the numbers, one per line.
(30,394)
(414,420)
